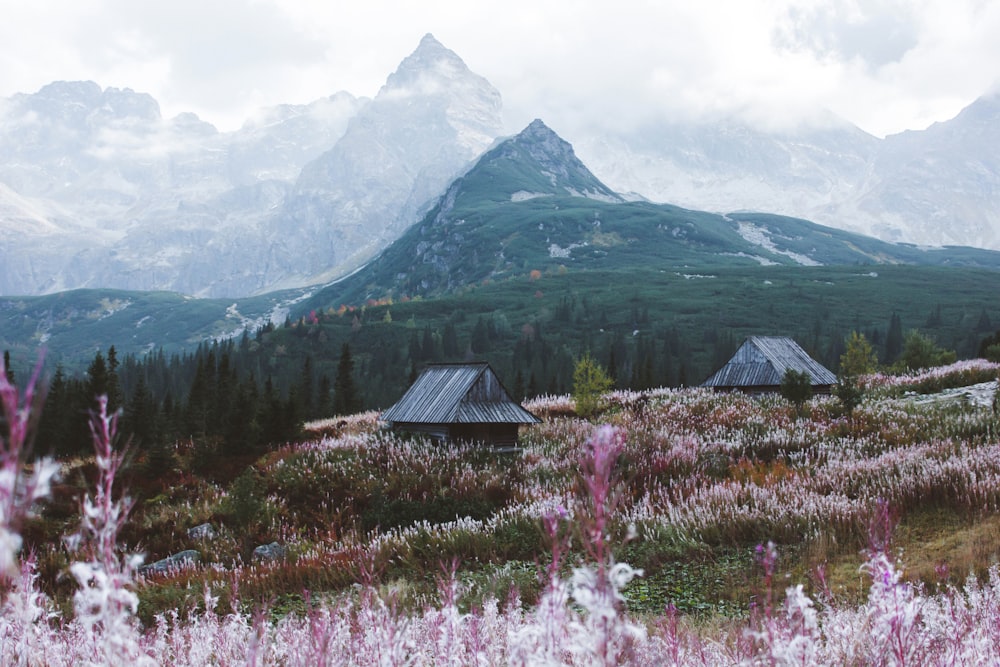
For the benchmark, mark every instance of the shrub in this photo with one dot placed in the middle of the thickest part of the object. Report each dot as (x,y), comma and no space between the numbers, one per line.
(920,351)
(796,387)
(590,382)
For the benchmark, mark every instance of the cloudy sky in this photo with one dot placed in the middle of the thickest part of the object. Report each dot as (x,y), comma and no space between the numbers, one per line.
(885,65)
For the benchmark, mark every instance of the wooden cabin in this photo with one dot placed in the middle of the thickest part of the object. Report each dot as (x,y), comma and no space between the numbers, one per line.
(460,403)
(760,364)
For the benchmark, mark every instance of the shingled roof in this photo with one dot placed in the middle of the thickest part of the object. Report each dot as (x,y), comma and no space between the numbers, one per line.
(761,362)
(458,394)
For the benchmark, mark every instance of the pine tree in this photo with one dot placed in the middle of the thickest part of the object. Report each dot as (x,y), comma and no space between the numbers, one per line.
(306,389)
(345,395)
(894,339)
(796,387)
(97,379)
(612,365)
(243,433)
(449,341)
(140,417)
(199,396)
(49,434)
(480,342)
(116,398)
(323,396)
(271,413)
(416,352)
(934,319)
(984,324)
(427,350)
(859,358)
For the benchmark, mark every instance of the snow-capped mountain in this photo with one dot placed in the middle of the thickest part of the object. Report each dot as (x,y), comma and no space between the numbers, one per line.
(726,165)
(125,198)
(97,189)
(432,117)
(939,186)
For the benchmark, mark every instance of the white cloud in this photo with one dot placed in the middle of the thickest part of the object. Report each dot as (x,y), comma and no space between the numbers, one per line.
(886,65)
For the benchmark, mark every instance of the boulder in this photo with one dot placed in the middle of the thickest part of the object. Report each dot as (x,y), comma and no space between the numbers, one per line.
(172,563)
(272,551)
(203,531)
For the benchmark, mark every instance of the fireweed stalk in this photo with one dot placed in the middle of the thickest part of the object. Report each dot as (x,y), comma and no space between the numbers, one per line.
(601,634)
(25,634)
(19,490)
(105,605)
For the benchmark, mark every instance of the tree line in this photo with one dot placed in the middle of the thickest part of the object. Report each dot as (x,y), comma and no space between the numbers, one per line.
(235,397)
(215,398)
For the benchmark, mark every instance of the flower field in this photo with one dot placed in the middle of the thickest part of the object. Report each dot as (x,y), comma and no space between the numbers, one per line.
(689,528)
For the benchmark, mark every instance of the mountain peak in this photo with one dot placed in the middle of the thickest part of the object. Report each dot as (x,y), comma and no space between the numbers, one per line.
(429,64)
(62,100)
(536,162)
(88,90)
(560,171)
(983,110)
(429,42)
(545,146)
(537,129)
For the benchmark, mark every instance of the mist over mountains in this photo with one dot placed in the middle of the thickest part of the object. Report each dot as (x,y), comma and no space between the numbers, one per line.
(97,189)
(939,186)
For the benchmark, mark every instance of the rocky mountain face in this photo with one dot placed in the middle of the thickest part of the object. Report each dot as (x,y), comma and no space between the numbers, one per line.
(427,123)
(727,165)
(939,186)
(97,189)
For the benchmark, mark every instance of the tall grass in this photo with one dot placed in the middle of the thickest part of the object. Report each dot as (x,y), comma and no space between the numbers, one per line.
(700,468)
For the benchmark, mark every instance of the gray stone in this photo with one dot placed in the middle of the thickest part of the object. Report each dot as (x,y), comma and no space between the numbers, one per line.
(172,563)
(203,531)
(272,551)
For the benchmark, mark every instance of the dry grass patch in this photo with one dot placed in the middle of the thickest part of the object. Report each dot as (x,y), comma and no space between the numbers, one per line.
(945,545)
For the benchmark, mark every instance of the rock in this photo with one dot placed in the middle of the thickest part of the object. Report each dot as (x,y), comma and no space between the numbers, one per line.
(272,551)
(172,563)
(203,531)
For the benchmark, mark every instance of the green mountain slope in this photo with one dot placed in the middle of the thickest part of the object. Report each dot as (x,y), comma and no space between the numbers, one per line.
(529,204)
(530,209)
(72,326)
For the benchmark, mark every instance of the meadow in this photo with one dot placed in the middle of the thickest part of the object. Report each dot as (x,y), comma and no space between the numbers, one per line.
(680,527)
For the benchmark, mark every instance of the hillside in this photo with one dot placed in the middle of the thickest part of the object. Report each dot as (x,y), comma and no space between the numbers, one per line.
(529,204)
(721,500)
(528,237)
(71,326)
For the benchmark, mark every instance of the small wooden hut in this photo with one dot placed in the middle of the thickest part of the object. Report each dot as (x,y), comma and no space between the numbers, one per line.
(460,402)
(761,362)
